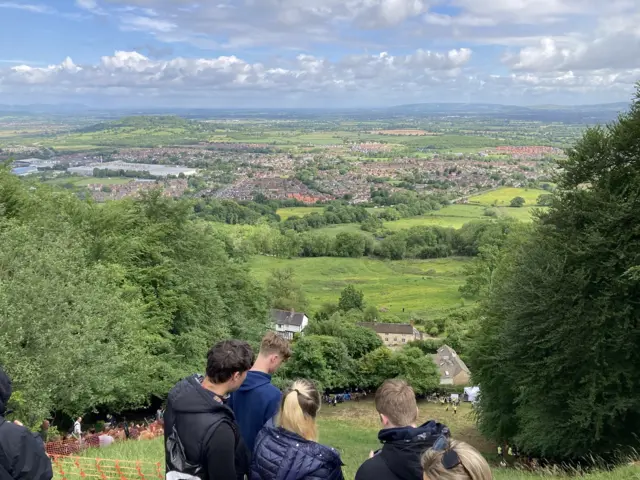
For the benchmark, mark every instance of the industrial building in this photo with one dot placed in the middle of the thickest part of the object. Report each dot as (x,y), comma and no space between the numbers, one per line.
(160,171)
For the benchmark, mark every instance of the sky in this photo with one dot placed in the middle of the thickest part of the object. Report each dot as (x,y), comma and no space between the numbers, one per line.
(317,53)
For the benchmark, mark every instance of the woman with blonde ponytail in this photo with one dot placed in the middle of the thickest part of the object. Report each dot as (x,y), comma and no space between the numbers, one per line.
(289,449)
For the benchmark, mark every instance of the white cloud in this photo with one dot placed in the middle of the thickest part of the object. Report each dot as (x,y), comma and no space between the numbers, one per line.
(28,7)
(615,45)
(147,24)
(210,76)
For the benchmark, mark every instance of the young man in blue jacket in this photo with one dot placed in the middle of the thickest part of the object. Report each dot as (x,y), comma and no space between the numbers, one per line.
(257,400)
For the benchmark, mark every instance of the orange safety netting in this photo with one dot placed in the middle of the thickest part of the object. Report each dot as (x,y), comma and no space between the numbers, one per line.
(68,467)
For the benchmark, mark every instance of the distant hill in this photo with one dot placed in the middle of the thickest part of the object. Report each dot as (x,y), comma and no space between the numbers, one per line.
(548,113)
(582,114)
(139,122)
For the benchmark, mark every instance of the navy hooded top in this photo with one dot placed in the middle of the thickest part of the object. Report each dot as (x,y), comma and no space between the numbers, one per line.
(254,404)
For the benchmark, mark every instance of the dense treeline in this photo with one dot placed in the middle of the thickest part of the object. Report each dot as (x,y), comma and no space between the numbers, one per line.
(108,305)
(415,242)
(557,353)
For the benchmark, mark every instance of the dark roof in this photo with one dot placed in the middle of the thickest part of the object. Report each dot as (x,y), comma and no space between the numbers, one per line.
(286,317)
(397,328)
(449,363)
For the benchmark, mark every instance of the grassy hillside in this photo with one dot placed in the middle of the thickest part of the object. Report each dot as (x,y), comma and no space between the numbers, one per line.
(298,211)
(415,285)
(352,429)
(503,196)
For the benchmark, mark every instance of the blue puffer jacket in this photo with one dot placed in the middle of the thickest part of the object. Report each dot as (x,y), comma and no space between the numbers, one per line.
(283,455)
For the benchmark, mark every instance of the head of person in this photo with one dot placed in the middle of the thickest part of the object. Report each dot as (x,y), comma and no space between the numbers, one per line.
(79,419)
(228,363)
(298,410)
(454,461)
(5,391)
(396,404)
(45,425)
(274,351)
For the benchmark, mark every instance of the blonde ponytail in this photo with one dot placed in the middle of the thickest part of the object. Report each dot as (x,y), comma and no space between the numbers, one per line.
(298,410)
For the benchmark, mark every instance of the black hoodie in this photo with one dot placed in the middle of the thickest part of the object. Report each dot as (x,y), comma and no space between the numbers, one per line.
(207,431)
(22,456)
(399,457)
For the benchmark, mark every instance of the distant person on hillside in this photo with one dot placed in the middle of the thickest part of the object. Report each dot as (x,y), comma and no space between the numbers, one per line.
(257,400)
(22,454)
(201,437)
(43,433)
(451,460)
(77,429)
(289,449)
(403,441)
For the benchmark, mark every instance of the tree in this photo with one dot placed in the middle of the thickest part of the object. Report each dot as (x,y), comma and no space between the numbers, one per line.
(370,314)
(106,306)
(557,352)
(517,202)
(358,340)
(411,364)
(394,247)
(350,245)
(545,200)
(323,359)
(351,299)
(285,291)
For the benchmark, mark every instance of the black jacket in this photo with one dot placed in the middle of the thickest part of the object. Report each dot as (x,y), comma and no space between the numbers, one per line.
(399,458)
(283,455)
(207,431)
(22,456)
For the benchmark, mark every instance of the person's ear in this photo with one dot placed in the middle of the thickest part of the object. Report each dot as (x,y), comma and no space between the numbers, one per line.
(384,420)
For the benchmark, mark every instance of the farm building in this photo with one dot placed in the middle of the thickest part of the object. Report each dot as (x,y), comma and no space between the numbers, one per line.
(394,334)
(453,370)
(287,323)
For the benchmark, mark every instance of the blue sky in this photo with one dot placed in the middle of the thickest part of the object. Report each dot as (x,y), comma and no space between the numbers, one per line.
(296,53)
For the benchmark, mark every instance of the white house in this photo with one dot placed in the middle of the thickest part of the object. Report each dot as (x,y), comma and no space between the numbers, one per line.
(286,323)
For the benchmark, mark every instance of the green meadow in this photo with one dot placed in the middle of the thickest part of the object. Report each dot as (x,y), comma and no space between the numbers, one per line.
(503,196)
(426,286)
(298,211)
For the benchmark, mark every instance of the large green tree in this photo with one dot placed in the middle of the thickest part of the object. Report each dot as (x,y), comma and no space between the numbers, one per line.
(558,356)
(108,305)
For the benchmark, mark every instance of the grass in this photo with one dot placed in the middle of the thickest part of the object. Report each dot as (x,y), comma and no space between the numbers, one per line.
(297,211)
(425,286)
(451,216)
(503,196)
(352,429)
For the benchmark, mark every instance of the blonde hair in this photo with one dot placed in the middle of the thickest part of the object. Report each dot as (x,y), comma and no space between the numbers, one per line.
(272,343)
(472,466)
(300,405)
(396,400)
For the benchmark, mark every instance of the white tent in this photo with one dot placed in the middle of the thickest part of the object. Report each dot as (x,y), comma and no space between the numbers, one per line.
(471,394)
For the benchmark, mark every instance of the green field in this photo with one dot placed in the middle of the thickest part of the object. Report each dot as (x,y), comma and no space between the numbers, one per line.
(352,429)
(297,211)
(425,286)
(503,196)
(451,216)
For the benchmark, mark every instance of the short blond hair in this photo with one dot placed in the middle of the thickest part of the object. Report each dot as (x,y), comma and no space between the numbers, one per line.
(298,410)
(472,466)
(272,344)
(396,400)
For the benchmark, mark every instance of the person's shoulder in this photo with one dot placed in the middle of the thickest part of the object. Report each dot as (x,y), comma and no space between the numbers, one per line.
(370,468)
